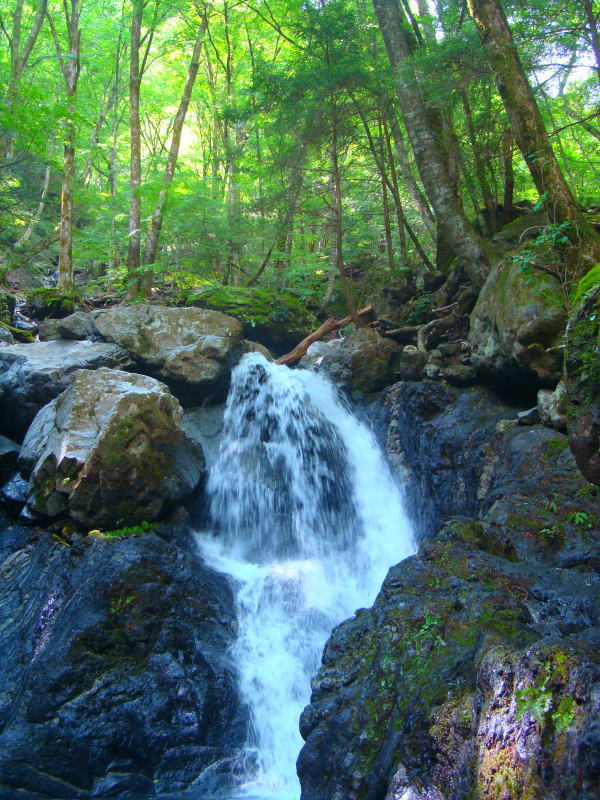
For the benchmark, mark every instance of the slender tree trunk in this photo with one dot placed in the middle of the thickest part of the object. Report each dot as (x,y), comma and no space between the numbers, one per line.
(594,36)
(40,209)
(450,217)
(409,181)
(396,195)
(528,127)
(509,175)
(158,214)
(488,200)
(135,167)
(70,66)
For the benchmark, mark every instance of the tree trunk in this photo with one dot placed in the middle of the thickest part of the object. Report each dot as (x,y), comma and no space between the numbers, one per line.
(157,216)
(450,218)
(509,176)
(594,36)
(135,167)
(528,127)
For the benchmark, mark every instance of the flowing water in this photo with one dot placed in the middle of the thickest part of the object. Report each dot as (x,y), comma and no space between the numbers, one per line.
(307,518)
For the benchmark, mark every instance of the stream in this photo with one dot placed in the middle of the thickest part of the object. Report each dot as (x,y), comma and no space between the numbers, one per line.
(306,518)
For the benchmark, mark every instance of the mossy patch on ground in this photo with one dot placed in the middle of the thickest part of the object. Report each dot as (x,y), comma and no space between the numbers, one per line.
(55,303)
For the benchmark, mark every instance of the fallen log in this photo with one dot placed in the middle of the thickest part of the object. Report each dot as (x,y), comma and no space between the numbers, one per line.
(329,326)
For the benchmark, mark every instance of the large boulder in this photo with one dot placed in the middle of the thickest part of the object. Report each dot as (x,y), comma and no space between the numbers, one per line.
(116,679)
(583,384)
(50,302)
(33,374)
(190,349)
(475,673)
(110,451)
(517,329)
(362,362)
(80,325)
(278,320)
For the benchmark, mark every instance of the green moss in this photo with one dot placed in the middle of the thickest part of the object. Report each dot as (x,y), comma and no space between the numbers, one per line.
(588,282)
(277,319)
(26,337)
(55,303)
(132,530)
(475,534)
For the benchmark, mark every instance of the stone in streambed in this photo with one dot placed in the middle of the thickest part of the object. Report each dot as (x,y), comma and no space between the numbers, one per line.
(33,374)
(190,349)
(110,451)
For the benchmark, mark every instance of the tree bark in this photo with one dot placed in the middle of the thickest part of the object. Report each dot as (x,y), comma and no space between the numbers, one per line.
(528,127)
(70,66)
(135,167)
(158,214)
(450,217)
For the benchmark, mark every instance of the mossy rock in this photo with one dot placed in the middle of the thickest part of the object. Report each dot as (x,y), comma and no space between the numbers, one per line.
(278,320)
(582,367)
(589,281)
(55,303)
(7,307)
(26,337)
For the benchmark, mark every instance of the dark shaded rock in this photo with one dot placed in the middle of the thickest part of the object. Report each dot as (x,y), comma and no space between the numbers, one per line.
(190,349)
(48,330)
(279,320)
(33,374)
(529,417)
(6,336)
(56,303)
(582,368)
(459,374)
(517,329)
(116,678)
(9,451)
(78,326)
(110,451)
(410,365)
(7,307)
(476,671)
(13,494)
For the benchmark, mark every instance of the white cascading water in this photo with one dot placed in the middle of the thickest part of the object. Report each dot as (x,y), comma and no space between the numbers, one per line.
(307,518)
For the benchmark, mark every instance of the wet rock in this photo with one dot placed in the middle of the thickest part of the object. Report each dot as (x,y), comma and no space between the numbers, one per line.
(475,672)
(116,676)
(110,451)
(552,407)
(517,329)
(529,417)
(362,362)
(80,325)
(190,349)
(459,374)
(33,374)
(13,494)
(9,451)
(582,367)
(6,336)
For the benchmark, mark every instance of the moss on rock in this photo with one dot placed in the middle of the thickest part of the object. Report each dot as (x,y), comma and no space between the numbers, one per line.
(278,320)
(7,308)
(56,303)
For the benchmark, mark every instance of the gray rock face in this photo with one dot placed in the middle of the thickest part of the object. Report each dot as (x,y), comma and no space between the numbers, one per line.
(191,349)
(474,673)
(517,329)
(363,361)
(33,374)
(116,677)
(110,451)
(80,325)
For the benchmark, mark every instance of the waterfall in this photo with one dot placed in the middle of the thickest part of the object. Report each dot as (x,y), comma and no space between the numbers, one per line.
(307,518)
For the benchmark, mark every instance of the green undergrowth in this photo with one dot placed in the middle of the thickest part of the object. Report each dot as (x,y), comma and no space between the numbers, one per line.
(130,530)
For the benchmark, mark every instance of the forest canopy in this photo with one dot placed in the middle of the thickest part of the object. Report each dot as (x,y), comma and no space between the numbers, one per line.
(283,143)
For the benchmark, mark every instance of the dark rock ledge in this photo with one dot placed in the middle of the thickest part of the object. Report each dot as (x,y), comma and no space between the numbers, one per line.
(476,673)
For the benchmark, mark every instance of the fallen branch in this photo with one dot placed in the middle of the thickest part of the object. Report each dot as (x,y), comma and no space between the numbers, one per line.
(329,326)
